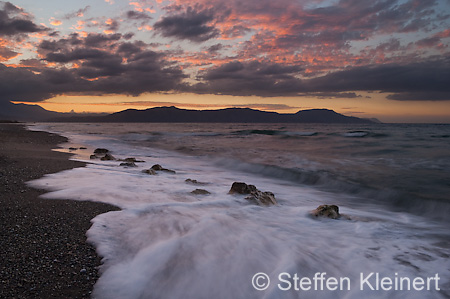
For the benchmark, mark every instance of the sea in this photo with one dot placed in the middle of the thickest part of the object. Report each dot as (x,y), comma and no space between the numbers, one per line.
(390,181)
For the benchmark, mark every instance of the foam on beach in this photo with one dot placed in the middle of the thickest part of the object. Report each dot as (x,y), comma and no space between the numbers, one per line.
(167,242)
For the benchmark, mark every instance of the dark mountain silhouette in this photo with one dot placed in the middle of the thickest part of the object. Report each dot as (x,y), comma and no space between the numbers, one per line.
(228,115)
(22,112)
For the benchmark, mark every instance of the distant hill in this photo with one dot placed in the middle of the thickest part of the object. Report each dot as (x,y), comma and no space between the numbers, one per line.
(228,115)
(22,112)
(34,113)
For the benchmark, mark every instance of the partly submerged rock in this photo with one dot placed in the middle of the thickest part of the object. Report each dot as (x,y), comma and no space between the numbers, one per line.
(262,198)
(256,196)
(149,171)
(200,192)
(131,160)
(241,188)
(128,164)
(82,148)
(93,157)
(158,167)
(328,211)
(108,157)
(101,151)
(73,148)
(195,182)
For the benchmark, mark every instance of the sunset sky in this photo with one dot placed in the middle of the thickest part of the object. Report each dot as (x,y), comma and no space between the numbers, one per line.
(367,58)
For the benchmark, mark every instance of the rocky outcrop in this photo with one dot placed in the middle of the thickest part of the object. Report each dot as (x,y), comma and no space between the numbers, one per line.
(327,211)
(195,182)
(262,198)
(101,151)
(108,157)
(131,160)
(256,196)
(128,164)
(149,171)
(158,167)
(241,188)
(200,192)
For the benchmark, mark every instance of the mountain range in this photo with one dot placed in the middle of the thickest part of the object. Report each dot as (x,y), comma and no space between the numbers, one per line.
(22,112)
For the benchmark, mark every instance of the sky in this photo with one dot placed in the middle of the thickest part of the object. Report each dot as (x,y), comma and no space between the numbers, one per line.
(386,59)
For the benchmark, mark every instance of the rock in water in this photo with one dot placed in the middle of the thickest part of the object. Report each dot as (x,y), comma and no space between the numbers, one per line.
(101,151)
(256,196)
(262,198)
(194,182)
(92,157)
(149,171)
(241,188)
(328,211)
(158,167)
(108,157)
(128,164)
(131,160)
(200,192)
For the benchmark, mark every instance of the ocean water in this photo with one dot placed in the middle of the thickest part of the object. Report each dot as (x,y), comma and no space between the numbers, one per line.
(392,181)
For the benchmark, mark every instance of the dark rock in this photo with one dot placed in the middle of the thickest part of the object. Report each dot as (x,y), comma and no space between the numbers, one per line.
(262,198)
(131,160)
(241,188)
(328,211)
(128,164)
(149,171)
(72,148)
(93,157)
(101,151)
(158,167)
(108,157)
(200,192)
(256,196)
(82,148)
(195,182)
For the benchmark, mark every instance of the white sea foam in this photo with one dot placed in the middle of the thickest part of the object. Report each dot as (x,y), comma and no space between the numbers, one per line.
(168,243)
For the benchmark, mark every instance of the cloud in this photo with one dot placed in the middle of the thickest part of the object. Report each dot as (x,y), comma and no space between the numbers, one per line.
(136,15)
(77,14)
(13,21)
(7,54)
(192,24)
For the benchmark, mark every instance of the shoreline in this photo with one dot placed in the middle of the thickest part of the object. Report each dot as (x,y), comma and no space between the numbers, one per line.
(44,245)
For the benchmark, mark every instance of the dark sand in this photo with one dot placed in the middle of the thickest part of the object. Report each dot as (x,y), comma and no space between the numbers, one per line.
(43,249)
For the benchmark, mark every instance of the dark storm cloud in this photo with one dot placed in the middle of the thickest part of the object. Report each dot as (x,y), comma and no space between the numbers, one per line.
(417,81)
(99,39)
(253,78)
(12,22)
(6,54)
(190,25)
(136,15)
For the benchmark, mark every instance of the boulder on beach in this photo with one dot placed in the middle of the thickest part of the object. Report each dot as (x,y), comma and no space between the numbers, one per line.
(108,157)
(241,188)
(128,164)
(158,167)
(327,211)
(200,192)
(262,198)
(101,151)
(255,195)
(149,171)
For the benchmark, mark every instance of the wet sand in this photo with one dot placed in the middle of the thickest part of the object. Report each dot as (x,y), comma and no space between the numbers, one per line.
(44,253)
